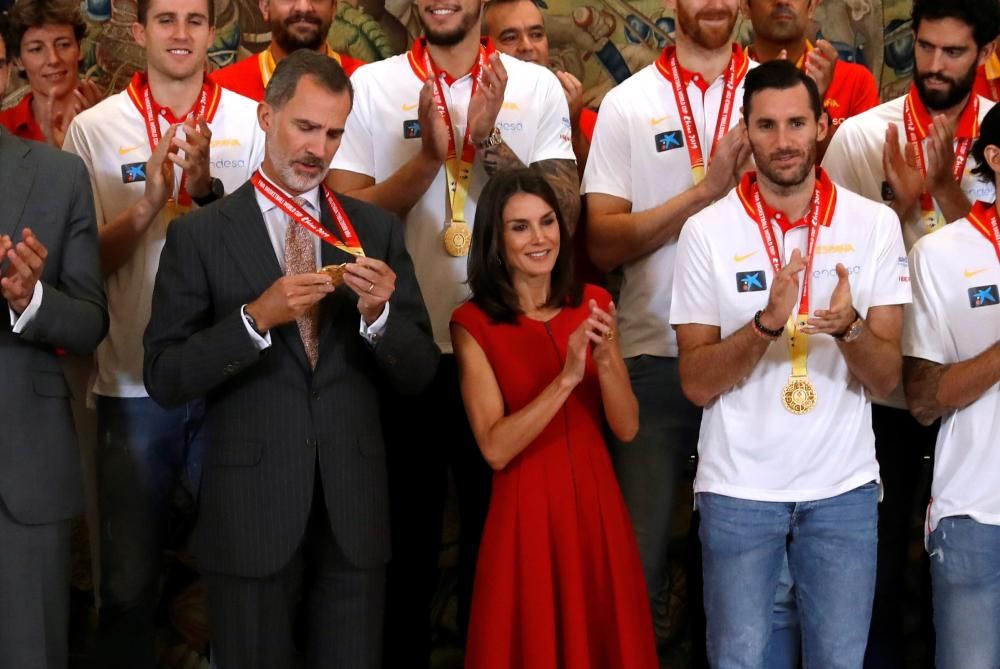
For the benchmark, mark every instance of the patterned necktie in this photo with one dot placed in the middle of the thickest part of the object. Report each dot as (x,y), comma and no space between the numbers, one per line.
(300,258)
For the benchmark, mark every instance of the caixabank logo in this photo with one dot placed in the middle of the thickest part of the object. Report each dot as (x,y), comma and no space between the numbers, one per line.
(983,296)
(751,282)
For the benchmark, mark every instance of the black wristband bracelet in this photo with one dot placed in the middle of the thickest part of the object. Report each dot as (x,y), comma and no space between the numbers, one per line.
(766,330)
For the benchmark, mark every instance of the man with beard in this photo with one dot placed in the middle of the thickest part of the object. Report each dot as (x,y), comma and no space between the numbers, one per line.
(295,24)
(912,153)
(779,31)
(656,135)
(171,116)
(428,130)
(787,307)
(289,359)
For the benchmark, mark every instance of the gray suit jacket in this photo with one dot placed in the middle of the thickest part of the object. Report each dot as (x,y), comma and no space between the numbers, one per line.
(48,191)
(268,415)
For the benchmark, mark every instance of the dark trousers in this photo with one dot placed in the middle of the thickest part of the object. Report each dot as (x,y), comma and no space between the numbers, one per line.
(901,445)
(34,593)
(425,435)
(252,620)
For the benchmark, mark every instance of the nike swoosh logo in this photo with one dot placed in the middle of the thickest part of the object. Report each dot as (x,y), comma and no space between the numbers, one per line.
(658,121)
(742,258)
(969,275)
(409,107)
(122,150)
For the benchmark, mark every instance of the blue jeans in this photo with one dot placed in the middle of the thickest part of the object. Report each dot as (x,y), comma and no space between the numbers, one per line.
(143,452)
(648,466)
(965,576)
(830,545)
(784,647)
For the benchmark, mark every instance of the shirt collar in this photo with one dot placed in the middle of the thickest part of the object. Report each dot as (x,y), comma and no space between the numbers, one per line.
(968,120)
(418,59)
(23,123)
(311,197)
(828,200)
(688,77)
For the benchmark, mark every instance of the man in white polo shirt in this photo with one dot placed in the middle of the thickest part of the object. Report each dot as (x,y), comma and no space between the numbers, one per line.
(951,370)
(171,141)
(912,153)
(786,303)
(427,130)
(646,174)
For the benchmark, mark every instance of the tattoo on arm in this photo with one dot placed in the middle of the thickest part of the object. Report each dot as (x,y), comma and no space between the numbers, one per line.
(500,157)
(565,181)
(921,379)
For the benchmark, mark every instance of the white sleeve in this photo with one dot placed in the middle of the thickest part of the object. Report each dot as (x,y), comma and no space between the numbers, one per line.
(923,320)
(357,148)
(608,168)
(18,323)
(76,143)
(848,166)
(694,298)
(892,272)
(554,138)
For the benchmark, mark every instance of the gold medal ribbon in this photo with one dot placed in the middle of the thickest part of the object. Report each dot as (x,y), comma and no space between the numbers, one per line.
(208,102)
(350,243)
(917,123)
(669,67)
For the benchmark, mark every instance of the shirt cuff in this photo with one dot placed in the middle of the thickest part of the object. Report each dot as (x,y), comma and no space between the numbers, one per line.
(260,342)
(18,323)
(375,330)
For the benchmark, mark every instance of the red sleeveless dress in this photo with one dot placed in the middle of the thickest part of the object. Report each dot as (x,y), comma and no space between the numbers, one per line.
(559,583)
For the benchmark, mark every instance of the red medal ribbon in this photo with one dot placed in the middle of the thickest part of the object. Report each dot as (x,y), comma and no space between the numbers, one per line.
(983,217)
(917,123)
(669,67)
(350,244)
(142,98)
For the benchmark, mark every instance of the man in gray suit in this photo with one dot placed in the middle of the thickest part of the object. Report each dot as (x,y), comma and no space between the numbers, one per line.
(293,499)
(53,292)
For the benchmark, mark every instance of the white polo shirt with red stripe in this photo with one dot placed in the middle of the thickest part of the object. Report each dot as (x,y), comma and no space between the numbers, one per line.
(750,445)
(112,140)
(955,316)
(640,154)
(383,133)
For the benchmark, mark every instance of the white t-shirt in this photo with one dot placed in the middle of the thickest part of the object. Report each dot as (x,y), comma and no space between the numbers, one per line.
(955,316)
(111,138)
(854,159)
(639,154)
(750,446)
(382,134)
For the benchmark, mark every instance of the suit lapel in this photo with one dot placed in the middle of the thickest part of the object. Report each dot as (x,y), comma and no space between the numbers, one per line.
(247,239)
(16,177)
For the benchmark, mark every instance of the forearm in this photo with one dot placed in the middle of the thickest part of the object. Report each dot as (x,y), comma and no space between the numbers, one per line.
(621,409)
(581,149)
(562,175)
(400,191)
(952,201)
(874,361)
(118,240)
(511,434)
(933,390)
(712,369)
(615,239)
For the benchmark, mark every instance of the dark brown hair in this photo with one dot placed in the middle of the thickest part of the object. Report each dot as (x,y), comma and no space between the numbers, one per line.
(27,14)
(142,11)
(492,290)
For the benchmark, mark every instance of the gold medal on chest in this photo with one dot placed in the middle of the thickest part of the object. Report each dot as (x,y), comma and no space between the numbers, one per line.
(457,239)
(799,395)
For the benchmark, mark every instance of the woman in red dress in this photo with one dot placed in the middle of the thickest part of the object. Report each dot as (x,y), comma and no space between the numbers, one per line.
(559,583)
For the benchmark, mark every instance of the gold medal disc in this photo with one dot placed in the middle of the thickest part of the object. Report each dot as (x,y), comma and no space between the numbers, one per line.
(799,396)
(457,238)
(335,272)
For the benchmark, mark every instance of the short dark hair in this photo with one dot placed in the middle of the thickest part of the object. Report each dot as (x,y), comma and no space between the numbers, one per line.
(27,14)
(324,70)
(983,16)
(989,134)
(496,3)
(489,280)
(781,75)
(142,11)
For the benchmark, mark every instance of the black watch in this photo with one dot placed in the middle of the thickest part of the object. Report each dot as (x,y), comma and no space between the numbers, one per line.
(216,191)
